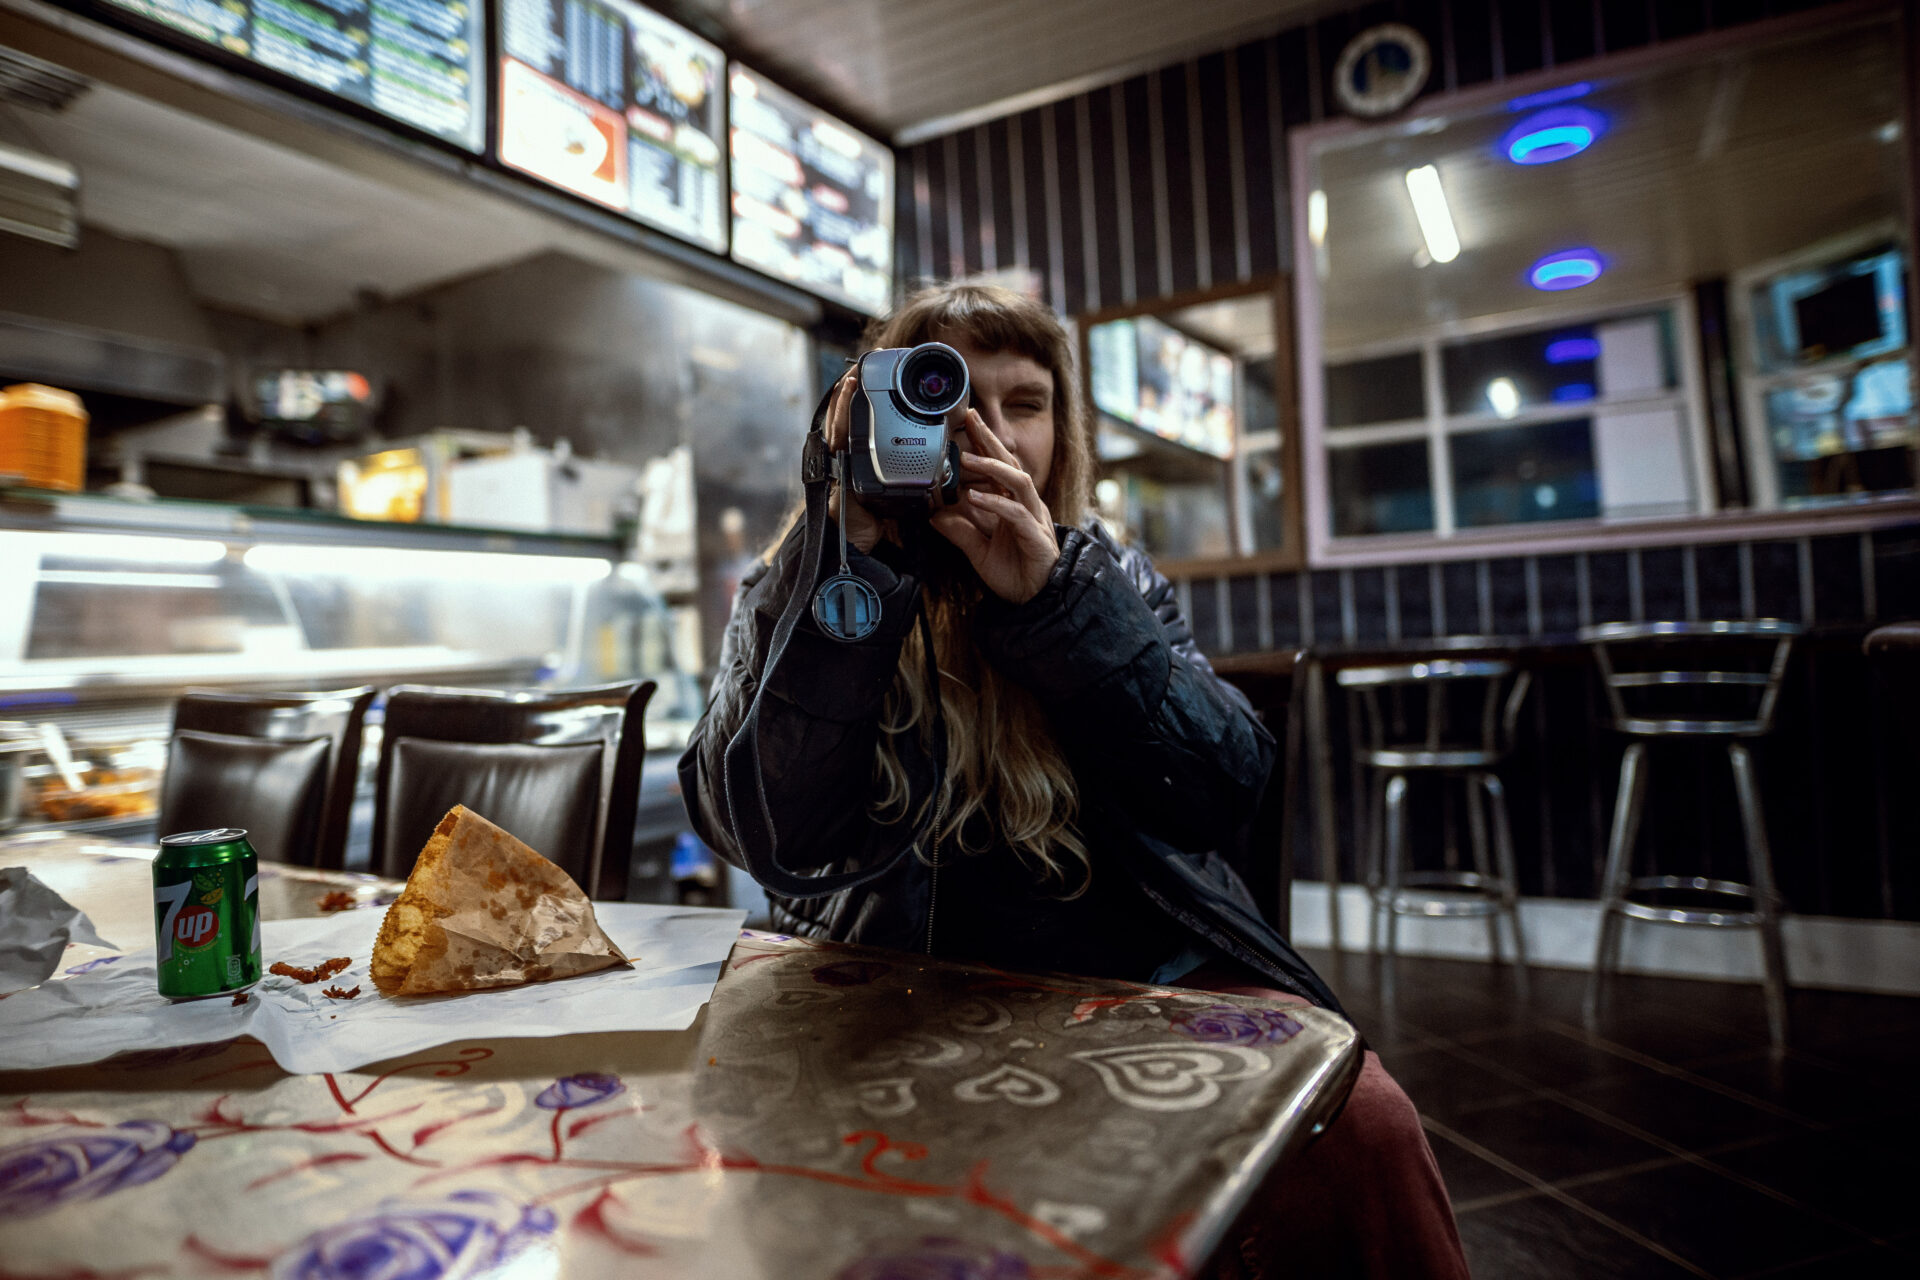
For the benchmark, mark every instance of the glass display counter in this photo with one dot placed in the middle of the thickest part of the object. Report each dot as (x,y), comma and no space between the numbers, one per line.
(110,608)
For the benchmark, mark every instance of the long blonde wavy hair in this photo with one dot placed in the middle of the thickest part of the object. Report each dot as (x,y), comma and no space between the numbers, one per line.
(1007,779)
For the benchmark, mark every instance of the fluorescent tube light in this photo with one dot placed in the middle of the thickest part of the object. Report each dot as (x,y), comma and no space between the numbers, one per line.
(391,563)
(1430,207)
(1317,217)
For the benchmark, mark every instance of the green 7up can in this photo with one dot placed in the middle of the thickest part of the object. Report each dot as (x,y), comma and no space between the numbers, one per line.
(206,913)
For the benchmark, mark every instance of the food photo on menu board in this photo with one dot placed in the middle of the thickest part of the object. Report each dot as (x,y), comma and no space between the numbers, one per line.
(613,102)
(812,199)
(415,61)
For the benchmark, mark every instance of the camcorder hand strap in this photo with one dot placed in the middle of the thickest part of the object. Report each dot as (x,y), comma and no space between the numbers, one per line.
(746,794)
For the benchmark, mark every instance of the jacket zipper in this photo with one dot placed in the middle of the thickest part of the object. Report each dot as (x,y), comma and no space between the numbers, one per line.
(933,885)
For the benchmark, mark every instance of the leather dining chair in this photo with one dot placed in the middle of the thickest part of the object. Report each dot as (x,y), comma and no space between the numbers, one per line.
(558,770)
(1268,680)
(280,765)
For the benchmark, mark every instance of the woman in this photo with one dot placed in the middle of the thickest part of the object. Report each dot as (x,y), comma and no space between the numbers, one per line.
(1096,768)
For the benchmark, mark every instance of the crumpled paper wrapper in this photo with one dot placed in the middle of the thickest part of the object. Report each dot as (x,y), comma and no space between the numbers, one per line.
(483,910)
(36,927)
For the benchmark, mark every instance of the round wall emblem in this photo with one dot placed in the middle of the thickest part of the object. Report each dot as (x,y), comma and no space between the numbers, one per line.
(1382,69)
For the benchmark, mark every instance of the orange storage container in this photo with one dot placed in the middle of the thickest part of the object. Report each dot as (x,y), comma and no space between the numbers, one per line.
(43,437)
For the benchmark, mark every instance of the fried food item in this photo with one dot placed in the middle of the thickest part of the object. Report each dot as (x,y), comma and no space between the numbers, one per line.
(241,997)
(480,910)
(336,900)
(319,973)
(335,993)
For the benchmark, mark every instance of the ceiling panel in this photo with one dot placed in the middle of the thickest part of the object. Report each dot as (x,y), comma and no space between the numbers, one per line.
(903,65)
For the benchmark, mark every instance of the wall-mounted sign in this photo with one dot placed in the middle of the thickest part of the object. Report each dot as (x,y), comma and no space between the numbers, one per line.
(812,199)
(611,101)
(416,61)
(1381,70)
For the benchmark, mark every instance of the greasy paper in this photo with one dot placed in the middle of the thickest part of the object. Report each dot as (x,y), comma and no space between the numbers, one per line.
(36,927)
(481,910)
(115,1006)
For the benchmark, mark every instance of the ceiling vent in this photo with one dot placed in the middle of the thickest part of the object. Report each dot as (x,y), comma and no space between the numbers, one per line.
(29,82)
(39,197)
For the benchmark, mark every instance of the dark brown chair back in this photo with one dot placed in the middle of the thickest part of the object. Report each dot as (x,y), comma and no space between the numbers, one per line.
(281,765)
(560,771)
(1267,679)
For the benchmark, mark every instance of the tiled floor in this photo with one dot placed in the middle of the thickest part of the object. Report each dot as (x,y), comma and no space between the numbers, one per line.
(1665,1141)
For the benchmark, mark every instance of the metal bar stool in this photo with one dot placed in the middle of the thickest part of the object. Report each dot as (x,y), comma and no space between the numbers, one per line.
(1393,752)
(1707,681)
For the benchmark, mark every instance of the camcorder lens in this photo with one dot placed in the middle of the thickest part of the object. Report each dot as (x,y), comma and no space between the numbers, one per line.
(931,380)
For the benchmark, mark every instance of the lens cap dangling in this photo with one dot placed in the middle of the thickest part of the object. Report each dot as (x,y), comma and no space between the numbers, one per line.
(847,607)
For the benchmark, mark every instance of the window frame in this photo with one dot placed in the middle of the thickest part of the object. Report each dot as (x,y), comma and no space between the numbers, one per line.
(1293,553)
(1438,425)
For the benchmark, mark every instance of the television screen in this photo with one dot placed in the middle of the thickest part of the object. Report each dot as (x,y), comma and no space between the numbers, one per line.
(314,406)
(611,101)
(812,199)
(1148,373)
(416,61)
(1853,307)
(1838,318)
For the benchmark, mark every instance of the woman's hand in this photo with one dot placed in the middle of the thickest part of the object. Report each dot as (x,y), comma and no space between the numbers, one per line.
(1001,525)
(862,529)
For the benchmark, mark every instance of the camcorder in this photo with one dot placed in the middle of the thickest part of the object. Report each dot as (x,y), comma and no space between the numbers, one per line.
(903,451)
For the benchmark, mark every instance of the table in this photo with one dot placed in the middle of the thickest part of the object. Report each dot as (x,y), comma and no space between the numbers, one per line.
(835,1112)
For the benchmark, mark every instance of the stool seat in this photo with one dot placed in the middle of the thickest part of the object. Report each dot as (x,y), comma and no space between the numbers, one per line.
(1642,727)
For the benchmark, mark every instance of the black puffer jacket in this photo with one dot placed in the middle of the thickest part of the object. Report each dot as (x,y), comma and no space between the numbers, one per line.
(1169,759)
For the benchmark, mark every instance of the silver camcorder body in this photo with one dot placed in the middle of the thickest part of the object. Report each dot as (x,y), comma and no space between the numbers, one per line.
(903,451)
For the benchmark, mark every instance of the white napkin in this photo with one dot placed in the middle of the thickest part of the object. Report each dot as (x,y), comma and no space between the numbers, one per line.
(36,927)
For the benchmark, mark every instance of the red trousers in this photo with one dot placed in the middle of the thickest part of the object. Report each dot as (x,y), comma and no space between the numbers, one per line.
(1364,1202)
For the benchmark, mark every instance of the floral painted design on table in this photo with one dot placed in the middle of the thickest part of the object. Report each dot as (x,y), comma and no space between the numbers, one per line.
(469,1233)
(898,1119)
(74,1164)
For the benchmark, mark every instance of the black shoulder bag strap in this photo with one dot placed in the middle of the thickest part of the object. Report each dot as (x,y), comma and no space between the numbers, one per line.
(746,795)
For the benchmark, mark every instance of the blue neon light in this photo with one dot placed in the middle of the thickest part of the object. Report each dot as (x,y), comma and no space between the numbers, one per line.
(1568,269)
(1547,97)
(1572,350)
(1567,392)
(1547,136)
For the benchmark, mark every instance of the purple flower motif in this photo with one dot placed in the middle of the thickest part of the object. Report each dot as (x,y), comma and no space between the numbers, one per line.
(85,1164)
(465,1236)
(939,1258)
(850,973)
(582,1090)
(1231,1024)
(91,965)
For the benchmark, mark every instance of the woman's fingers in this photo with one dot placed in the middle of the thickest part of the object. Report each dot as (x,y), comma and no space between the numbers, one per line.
(1010,477)
(961,531)
(840,412)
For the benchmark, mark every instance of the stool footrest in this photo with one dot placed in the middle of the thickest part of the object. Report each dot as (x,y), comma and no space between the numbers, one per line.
(1744,910)
(1488,894)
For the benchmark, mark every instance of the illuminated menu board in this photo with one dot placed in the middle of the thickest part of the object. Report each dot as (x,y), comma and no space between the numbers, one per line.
(417,61)
(812,199)
(611,101)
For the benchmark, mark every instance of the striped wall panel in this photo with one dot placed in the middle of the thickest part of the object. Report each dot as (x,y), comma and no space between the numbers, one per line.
(1177,179)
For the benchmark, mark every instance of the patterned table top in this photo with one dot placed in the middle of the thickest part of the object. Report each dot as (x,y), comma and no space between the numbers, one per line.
(836,1112)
